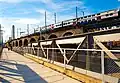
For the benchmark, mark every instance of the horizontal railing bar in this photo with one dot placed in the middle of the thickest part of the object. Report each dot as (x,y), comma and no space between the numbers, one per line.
(78,49)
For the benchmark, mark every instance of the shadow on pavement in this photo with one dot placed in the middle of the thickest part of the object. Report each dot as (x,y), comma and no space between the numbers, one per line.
(21,70)
(4,80)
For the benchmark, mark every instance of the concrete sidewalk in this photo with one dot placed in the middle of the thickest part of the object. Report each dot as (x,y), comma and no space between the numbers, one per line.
(15,68)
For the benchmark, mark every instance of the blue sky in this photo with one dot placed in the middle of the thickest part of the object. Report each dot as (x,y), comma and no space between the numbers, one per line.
(23,12)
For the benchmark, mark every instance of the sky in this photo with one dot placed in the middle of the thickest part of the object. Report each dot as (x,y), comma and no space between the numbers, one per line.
(23,12)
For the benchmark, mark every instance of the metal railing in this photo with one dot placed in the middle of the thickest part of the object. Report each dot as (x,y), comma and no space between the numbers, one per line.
(88,59)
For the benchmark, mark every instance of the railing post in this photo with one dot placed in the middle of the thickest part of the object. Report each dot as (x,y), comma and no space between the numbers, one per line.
(64,59)
(38,51)
(47,54)
(102,65)
(31,50)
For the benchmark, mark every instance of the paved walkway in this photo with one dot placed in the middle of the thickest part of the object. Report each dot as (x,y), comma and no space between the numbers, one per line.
(15,68)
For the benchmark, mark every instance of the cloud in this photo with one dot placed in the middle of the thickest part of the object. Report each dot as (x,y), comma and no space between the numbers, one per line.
(35,15)
(69,5)
(27,21)
(19,1)
(19,23)
(11,1)
(42,11)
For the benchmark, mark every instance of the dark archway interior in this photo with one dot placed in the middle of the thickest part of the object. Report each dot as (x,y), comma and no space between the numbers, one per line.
(16,43)
(20,43)
(67,34)
(32,40)
(52,36)
(25,42)
(42,38)
(13,44)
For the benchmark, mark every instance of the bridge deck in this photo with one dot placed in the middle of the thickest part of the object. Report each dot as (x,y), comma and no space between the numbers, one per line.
(15,68)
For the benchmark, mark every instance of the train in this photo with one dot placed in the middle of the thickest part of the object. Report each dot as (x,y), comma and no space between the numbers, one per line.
(83,20)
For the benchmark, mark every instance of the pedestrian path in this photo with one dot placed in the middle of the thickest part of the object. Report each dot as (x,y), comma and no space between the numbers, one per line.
(15,68)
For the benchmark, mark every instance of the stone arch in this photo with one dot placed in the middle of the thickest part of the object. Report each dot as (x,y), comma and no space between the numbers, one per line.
(16,43)
(52,36)
(67,34)
(13,44)
(42,38)
(32,40)
(20,43)
(25,42)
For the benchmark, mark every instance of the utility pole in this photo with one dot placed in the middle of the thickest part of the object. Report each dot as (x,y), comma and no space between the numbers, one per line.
(40,33)
(55,17)
(45,25)
(45,19)
(83,13)
(76,12)
(28,29)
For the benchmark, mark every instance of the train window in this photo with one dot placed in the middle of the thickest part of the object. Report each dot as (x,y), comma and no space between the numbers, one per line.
(74,19)
(107,14)
(57,25)
(81,17)
(93,15)
(68,22)
(98,14)
(111,14)
(89,16)
(85,17)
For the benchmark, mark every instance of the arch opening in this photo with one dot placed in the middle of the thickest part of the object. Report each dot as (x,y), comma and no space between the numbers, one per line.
(32,40)
(13,44)
(20,43)
(16,43)
(67,34)
(25,42)
(52,36)
(41,38)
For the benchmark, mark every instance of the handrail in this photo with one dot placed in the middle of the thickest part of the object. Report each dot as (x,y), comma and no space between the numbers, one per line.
(83,49)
